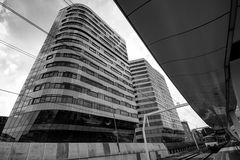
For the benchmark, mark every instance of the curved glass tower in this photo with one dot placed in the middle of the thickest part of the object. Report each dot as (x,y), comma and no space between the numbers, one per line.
(79,88)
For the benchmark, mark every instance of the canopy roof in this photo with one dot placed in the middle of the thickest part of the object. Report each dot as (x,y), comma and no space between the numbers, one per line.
(191,41)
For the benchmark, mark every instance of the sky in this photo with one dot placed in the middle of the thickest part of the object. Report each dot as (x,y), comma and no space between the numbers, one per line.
(14,66)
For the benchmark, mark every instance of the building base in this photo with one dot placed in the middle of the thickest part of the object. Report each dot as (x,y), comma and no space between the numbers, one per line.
(90,151)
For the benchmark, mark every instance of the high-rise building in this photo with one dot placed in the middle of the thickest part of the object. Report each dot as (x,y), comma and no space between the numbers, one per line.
(79,88)
(187,131)
(152,94)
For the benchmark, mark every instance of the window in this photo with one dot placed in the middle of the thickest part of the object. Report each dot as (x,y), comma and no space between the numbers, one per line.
(84,79)
(87,103)
(94,65)
(118,66)
(37,88)
(95,58)
(105,79)
(69,75)
(93,83)
(95,34)
(147,105)
(67,47)
(113,40)
(73,34)
(128,72)
(60,63)
(156,123)
(144,90)
(79,101)
(46,85)
(124,113)
(145,95)
(95,45)
(138,69)
(126,104)
(139,77)
(109,41)
(91,49)
(109,45)
(108,98)
(36,101)
(93,94)
(116,92)
(57,85)
(128,78)
(115,101)
(141,81)
(130,91)
(120,86)
(137,62)
(115,70)
(64,20)
(143,72)
(148,111)
(146,100)
(49,57)
(129,98)
(110,74)
(104,57)
(143,85)
(72,23)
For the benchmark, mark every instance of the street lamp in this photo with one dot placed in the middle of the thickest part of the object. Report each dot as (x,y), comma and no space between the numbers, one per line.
(116,132)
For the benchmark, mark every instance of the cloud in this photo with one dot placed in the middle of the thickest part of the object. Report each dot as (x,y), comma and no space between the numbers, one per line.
(10,68)
(15,66)
(3,29)
(189,115)
(3,12)
(6,100)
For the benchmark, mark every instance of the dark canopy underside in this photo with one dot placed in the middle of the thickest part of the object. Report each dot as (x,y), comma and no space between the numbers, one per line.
(191,41)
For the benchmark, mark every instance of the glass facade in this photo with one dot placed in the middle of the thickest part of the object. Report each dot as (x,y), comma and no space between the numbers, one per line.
(152,94)
(68,126)
(79,86)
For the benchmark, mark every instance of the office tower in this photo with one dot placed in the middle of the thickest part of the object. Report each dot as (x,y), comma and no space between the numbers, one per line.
(187,131)
(152,94)
(79,88)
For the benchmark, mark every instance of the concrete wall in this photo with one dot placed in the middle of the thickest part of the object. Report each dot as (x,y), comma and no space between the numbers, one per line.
(81,151)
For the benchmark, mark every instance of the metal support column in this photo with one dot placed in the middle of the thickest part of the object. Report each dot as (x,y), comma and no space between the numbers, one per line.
(144,137)
(235,76)
(116,132)
(195,141)
(236,124)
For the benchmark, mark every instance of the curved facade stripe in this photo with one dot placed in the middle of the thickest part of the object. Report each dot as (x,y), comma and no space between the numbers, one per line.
(79,88)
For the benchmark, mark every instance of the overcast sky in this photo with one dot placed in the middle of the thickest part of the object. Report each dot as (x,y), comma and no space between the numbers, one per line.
(14,66)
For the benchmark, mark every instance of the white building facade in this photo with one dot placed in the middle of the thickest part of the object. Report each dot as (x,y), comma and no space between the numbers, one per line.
(152,94)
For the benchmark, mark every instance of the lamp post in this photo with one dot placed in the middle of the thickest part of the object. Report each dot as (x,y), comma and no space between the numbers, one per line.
(152,113)
(116,131)
(194,138)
